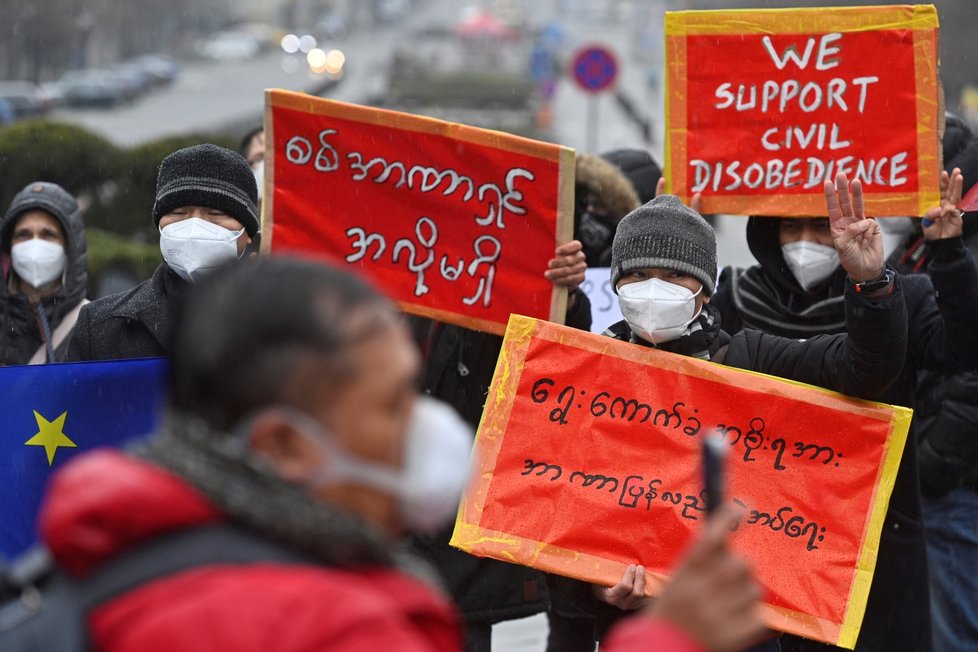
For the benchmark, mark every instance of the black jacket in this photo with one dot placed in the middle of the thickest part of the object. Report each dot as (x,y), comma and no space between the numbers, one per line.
(137,323)
(863,363)
(941,335)
(459,365)
(20,329)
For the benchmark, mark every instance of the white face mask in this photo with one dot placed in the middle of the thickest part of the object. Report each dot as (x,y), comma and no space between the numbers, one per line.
(194,246)
(38,262)
(436,464)
(657,311)
(810,262)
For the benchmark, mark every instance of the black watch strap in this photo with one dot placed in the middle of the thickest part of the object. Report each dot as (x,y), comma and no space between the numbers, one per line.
(868,287)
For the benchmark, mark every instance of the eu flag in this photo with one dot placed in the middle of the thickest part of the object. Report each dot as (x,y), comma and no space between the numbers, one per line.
(50,413)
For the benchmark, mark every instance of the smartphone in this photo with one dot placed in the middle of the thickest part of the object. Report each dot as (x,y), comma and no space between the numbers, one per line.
(714,455)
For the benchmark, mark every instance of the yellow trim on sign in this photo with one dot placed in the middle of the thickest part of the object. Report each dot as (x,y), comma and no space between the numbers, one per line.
(802,21)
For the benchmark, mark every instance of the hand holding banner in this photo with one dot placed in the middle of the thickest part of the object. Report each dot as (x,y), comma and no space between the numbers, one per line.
(588,460)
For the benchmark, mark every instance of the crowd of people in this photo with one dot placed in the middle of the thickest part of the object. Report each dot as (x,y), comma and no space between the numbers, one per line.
(316,441)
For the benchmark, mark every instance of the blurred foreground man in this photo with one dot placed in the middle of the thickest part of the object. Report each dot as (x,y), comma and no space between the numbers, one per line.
(294,420)
(45,263)
(207,214)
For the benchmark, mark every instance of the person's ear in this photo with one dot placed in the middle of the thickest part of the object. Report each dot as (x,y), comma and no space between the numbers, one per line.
(289,451)
(706,297)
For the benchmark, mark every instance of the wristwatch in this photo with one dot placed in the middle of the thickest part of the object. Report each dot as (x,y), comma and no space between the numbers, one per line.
(868,287)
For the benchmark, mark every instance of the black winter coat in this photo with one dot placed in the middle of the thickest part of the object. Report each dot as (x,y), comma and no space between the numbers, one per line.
(20,330)
(897,613)
(459,365)
(137,323)
(946,410)
(863,364)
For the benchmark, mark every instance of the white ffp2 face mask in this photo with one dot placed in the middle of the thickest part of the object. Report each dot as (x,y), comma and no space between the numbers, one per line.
(435,471)
(657,311)
(38,262)
(810,262)
(194,246)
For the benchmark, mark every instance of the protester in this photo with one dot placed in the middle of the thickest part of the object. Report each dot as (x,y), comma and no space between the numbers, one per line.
(664,269)
(42,237)
(603,195)
(798,291)
(946,431)
(293,415)
(252,146)
(206,212)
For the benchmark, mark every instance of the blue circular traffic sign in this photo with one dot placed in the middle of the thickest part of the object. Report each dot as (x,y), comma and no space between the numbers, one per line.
(595,68)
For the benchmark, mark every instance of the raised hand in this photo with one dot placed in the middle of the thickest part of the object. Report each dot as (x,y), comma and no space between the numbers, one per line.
(858,239)
(946,221)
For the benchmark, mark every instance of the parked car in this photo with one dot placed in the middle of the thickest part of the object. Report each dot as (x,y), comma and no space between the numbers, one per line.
(230,45)
(94,87)
(159,69)
(7,113)
(23,98)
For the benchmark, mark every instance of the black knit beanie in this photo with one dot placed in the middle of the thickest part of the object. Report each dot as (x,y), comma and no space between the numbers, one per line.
(665,233)
(211,176)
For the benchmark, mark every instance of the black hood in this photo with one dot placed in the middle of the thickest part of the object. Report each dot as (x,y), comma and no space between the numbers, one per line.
(765,244)
(55,200)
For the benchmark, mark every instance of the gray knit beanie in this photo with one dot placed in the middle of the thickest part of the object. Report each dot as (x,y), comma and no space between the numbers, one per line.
(211,176)
(665,233)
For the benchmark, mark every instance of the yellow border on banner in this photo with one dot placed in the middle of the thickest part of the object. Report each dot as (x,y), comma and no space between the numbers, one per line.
(418,123)
(866,565)
(922,19)
(471,537)
(804,20)
(565,226)
(268,192)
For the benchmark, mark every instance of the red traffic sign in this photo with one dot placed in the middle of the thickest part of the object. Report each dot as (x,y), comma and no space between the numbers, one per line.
(595,68)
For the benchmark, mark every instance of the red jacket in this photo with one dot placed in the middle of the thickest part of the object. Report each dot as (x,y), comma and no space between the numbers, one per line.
(106,503)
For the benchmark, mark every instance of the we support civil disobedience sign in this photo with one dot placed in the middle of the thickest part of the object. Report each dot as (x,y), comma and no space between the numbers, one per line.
(454,222)
(588,460)
(764,105)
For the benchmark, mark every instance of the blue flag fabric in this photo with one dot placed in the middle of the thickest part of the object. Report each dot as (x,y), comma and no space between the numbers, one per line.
(51,413)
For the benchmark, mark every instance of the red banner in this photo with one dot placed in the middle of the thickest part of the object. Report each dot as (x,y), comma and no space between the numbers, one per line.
(588,460)
(764,105)
(455,223)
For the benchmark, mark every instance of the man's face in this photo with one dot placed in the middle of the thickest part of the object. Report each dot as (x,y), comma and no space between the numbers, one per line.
(256,149)
(809,229)
(37,223)
(211,215)
(369,416)
(669,275)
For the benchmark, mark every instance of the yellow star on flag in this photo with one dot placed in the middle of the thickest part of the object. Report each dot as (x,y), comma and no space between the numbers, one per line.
(50,434)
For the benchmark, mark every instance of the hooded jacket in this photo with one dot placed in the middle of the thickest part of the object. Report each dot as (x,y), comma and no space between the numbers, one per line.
(941,335)
(614,196)
(20,327)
